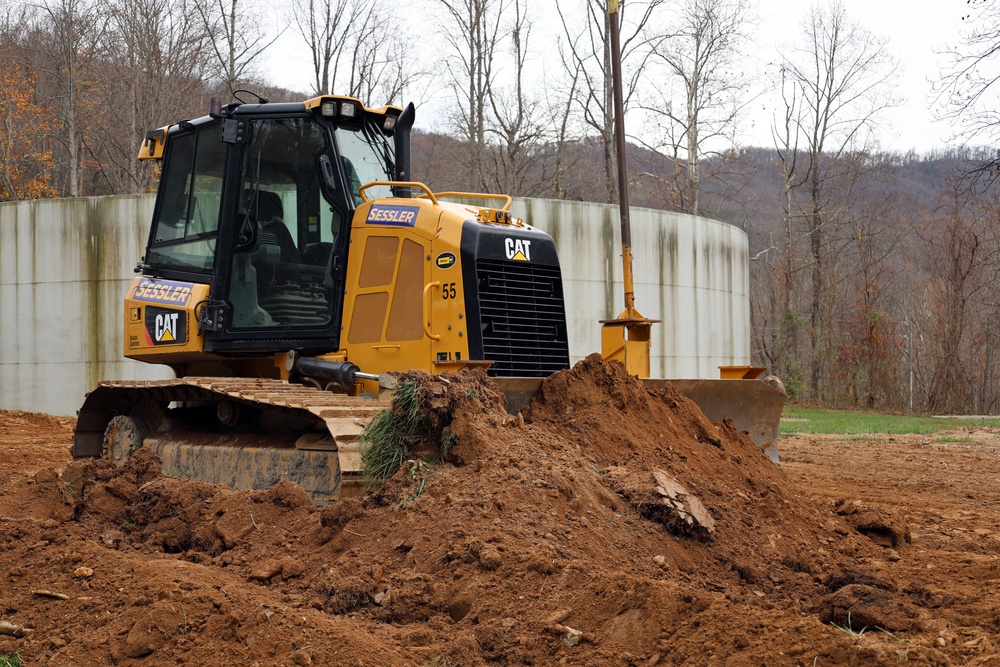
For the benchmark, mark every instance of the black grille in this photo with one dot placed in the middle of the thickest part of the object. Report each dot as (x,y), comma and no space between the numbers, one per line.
(523,318)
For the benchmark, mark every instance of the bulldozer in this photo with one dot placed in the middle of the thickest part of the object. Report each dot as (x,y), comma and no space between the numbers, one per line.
(293,266)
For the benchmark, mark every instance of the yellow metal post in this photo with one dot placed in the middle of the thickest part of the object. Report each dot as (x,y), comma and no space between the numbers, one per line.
(626,338)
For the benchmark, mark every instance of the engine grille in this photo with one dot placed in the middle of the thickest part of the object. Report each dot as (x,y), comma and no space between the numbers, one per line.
(523,318)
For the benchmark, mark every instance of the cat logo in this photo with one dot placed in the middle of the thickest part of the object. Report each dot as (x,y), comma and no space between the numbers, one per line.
(165,326)
(518,249)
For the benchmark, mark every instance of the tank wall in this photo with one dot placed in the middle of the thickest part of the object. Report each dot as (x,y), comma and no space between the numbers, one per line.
(691,273)
(65,265)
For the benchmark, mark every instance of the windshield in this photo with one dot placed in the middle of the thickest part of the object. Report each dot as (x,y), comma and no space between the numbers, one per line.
(367,156)
(284,277)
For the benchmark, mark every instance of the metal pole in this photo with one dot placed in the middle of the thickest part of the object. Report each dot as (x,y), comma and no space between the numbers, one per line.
(619,110)
(909,358)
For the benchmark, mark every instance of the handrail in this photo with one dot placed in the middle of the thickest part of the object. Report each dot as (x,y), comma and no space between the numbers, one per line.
(485,195)
(427,310)
(433,196)
(403,184)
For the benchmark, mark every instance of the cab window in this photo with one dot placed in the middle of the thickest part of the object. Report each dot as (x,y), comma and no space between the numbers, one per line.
(186,221)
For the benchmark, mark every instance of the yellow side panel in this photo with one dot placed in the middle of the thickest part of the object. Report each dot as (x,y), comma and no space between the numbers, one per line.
(367,319)
(379,261)
(161,324)
(407,306)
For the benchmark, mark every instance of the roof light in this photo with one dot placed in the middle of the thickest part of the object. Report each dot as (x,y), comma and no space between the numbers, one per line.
(389,124)
(328,109)
(347,109)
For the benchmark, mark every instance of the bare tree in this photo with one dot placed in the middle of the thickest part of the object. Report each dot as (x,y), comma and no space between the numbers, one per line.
(156,62)
(238,40)
(707,86)
(962,95)
(561,105)
(789,264)
(868,347)
(588,50)
(325,25)
(958,248)
(357,49)
(67,45)
(472,30)
(518,158)
(843,74)
(380,56)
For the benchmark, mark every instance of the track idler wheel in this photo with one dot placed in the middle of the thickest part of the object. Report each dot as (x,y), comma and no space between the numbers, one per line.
(122,437)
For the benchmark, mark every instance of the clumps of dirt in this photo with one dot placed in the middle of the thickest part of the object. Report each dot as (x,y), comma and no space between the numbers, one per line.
(106,490)
(609,524)
(48,498)
(880,525)
(433,418)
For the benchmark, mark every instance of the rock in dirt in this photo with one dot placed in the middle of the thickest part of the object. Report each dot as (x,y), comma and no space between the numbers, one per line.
(857,607)
(12,629)
(658,496)
(233,526)
(287,567)
(83,572)
(153,630)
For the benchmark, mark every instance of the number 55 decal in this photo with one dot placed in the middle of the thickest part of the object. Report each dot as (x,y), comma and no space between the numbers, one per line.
(448,291)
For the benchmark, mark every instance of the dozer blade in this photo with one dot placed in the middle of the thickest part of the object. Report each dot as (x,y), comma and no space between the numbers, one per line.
(753,406)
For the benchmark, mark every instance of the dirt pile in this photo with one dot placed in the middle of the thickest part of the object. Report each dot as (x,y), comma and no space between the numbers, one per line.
(606,525)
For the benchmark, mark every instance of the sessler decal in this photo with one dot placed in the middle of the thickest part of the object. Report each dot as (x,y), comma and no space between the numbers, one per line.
(162,291)
(400,216)
(165,326)
(518,249)
(445,260)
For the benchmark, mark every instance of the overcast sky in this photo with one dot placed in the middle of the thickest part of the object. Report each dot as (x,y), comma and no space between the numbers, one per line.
(915,28)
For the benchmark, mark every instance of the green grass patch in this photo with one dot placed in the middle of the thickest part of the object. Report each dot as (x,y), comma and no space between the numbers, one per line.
(796,419)
(10,660)
(387,441)
(946,439)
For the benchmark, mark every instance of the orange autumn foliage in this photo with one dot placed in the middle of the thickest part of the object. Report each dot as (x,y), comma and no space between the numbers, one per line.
(25,165)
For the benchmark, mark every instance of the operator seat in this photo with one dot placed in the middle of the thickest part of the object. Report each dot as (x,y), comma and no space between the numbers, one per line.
(270,215)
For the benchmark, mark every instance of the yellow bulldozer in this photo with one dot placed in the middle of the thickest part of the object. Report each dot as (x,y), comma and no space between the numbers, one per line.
(293,266)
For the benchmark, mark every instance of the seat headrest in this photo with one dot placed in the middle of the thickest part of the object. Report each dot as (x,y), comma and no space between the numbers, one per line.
(269,206)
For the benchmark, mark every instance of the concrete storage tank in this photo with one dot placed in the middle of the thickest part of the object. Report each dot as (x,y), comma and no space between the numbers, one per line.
(65,265)
(692,273)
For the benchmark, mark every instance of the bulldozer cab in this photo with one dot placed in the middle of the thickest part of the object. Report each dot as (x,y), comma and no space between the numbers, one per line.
(257,203)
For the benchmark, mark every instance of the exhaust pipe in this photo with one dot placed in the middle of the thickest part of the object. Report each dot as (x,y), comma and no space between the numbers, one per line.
(401,142)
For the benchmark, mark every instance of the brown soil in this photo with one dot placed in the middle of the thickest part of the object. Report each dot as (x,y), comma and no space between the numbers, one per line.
(606,526)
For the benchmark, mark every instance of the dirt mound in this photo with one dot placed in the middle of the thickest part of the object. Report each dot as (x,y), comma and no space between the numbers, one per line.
(606,525)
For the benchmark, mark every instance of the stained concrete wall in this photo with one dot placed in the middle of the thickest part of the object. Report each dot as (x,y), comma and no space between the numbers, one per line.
(65,266)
